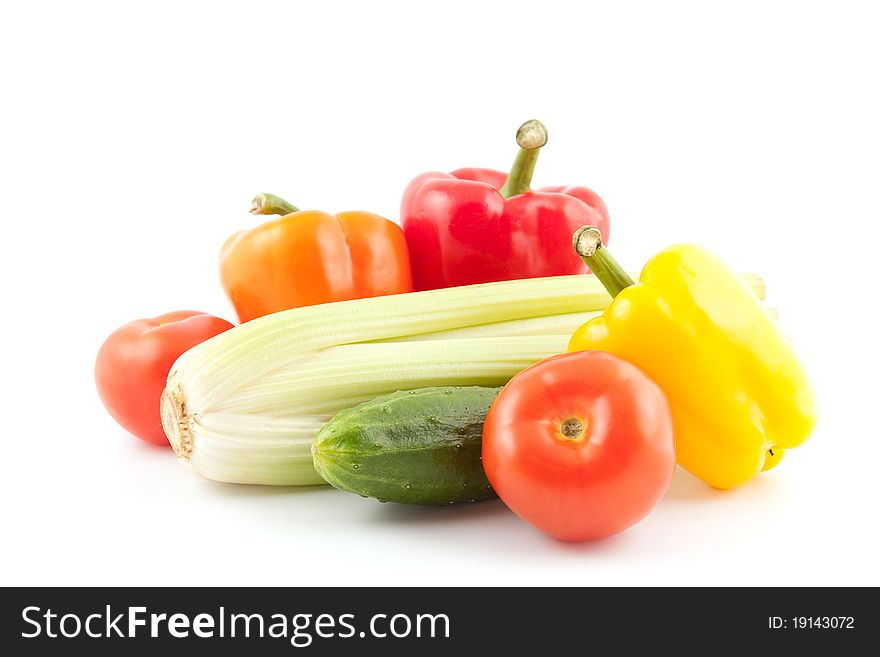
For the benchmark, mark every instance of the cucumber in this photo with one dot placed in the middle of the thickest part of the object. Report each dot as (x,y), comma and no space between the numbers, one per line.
(412,447)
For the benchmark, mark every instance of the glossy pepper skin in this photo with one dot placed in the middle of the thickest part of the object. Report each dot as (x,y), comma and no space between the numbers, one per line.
(480,225)
(738,395)
(307,257)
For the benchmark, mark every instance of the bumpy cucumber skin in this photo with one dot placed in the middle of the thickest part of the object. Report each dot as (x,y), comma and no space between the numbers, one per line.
(411,447)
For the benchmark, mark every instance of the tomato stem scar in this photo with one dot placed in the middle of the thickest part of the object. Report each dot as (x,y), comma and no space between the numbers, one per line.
(572,429)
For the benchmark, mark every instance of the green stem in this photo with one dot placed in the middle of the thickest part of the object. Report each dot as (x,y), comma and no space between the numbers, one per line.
(531,136)
(271,204)
(587,242)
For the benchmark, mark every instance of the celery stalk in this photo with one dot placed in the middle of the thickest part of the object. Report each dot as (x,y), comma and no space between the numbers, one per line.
(244,406)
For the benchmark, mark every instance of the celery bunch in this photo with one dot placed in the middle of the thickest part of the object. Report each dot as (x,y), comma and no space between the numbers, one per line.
(244,406)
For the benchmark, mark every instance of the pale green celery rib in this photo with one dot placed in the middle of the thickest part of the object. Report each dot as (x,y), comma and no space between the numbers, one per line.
(211,371)
(268,429)
(280,471)
(326,382)
(233,459)
(242,450)
(547,325)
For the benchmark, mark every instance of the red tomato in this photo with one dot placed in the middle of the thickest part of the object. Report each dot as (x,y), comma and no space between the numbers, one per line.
(134,362)
(580,445)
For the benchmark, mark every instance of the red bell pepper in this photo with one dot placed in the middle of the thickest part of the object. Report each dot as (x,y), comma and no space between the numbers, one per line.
(481,225)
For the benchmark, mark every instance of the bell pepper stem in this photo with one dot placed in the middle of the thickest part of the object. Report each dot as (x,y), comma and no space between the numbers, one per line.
(271,204)
(531,136)
(587,242)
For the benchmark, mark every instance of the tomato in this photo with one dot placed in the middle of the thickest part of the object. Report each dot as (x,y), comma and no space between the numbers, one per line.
(134,362)
(580,445)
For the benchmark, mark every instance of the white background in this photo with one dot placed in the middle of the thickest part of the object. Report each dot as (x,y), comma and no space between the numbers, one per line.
(133,138)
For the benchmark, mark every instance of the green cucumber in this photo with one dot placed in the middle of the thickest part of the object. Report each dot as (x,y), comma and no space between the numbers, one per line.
(413,446)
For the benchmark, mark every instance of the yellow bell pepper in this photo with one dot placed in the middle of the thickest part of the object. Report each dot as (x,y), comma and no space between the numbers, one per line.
(738,395)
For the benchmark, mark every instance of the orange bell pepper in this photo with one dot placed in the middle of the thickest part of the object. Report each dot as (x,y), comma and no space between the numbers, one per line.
(307,257)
